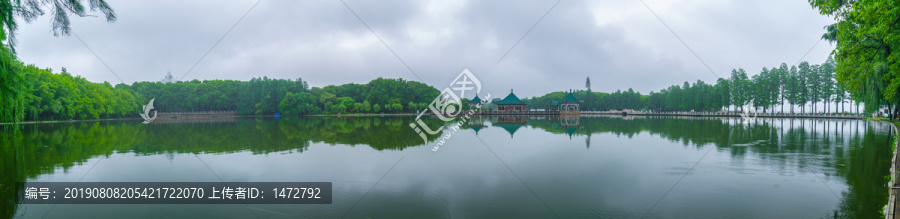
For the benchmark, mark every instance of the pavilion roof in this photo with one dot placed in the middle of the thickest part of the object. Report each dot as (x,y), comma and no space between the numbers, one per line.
(569,97)
(511,99)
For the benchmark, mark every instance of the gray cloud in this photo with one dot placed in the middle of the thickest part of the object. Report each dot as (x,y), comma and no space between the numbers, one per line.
(619,44)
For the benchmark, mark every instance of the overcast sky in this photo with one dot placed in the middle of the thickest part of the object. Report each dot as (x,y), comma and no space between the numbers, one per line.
(619,44)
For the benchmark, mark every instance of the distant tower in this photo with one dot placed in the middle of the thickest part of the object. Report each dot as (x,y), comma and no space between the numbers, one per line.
(168,78)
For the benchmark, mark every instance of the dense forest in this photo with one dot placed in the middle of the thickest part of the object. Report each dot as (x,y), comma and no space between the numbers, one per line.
(801,85)
(265,96)
(63,96)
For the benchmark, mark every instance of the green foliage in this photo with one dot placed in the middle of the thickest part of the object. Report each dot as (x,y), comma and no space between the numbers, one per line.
(327,97)
(340,108)
(61,96)
(347,103)
(366,106)
(12,89)
(29,10)
(299,104)
(376,108)
(867,40)
(257,96)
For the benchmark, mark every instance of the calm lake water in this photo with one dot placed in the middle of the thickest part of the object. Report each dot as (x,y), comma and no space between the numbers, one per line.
(493,167)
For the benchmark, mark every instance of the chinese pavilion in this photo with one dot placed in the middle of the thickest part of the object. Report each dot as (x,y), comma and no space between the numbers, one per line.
(475,101)
(569,104)
(511,103)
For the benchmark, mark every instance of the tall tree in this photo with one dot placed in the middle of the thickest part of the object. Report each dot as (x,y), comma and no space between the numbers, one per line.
(866,50)
(739,87)
(587,83)
(813,84)
(801,86)
(723,88)
(826,73)
(12,99)
(783,81)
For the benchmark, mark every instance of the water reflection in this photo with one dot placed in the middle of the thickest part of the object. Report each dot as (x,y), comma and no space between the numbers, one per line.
(851,151)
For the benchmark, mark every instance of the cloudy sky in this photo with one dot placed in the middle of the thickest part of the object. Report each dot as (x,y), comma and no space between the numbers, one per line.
(619,44)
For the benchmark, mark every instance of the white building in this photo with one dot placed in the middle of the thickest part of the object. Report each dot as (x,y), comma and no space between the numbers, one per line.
(168,78)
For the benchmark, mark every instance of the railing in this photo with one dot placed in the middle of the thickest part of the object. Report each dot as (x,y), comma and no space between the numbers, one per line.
(200,112)
(891,208)
(524,112)
(197,115)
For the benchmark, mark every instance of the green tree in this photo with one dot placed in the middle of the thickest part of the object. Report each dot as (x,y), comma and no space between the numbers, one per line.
(783,81)
(739,87)
(327,97)
(397,107)
(723,89)
(826,75)
(12,87)
(587,83)
(366,106)
(868,63)
(30,10)
(357,107)
(329,107)
(803,94)
(340,108)
(347,102)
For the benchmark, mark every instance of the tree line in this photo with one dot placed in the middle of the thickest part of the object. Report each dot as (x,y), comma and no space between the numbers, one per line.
(63,96)
(802,85)
(266,96)
(51,96)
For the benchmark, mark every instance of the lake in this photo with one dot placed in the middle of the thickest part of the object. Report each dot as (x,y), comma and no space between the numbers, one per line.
(492,167)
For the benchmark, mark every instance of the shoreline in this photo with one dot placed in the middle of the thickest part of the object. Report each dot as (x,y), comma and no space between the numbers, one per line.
(891,208)
(235,116)
(614,113)
(709,114)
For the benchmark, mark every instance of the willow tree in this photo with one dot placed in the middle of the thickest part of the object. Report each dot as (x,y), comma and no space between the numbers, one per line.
(866,37)
(12,86)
